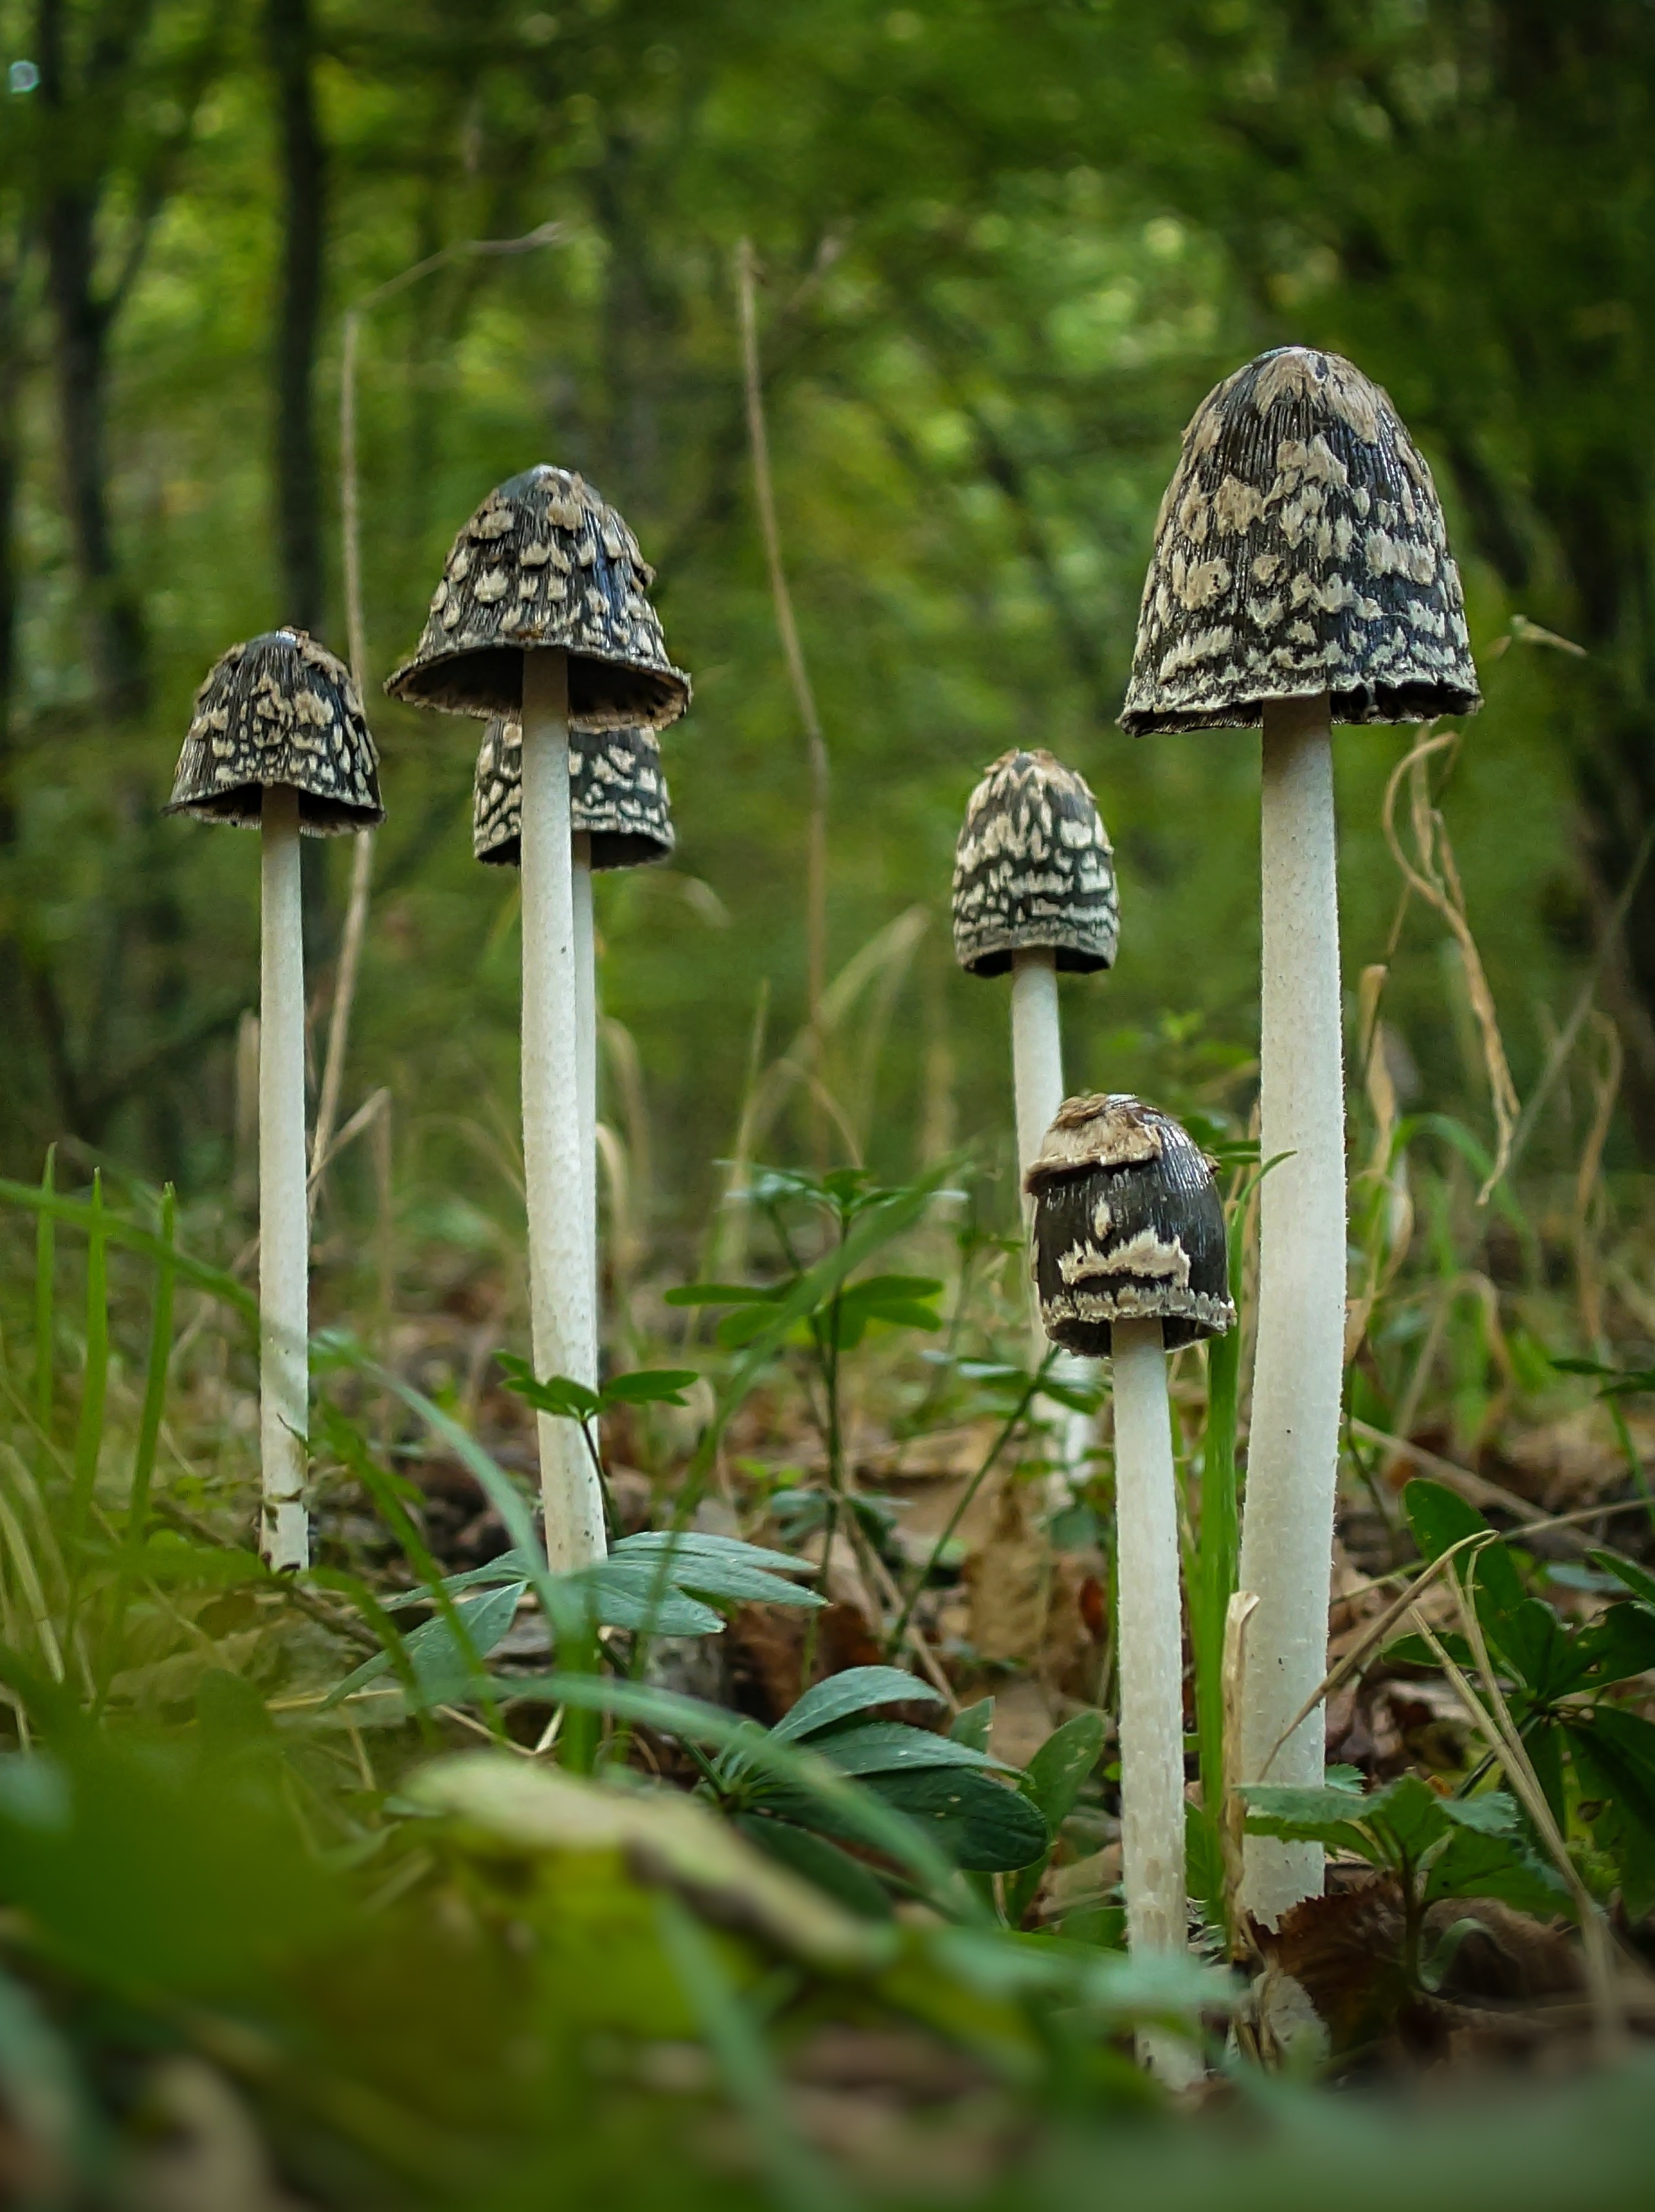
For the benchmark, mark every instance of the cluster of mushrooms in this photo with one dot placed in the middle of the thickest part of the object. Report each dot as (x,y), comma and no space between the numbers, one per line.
(1301,576)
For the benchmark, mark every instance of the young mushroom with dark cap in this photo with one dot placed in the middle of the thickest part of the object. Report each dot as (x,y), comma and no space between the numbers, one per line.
(1301,575)
(542,614)
(1129,1263)
(622,818)
(1034,895)
(278,742)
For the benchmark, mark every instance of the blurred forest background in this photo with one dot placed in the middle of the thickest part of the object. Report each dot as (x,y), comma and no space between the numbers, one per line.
(1005,250)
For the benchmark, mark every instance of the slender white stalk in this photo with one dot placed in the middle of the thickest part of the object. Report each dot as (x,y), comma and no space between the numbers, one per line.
(283,1217)
(1287,1543)
(1151,1664)
(1037,1079)
(586,1030)
(554,1170)
(1037,1049)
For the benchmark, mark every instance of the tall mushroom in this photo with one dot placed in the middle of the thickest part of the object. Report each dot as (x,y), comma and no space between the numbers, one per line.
(1301,576)
(1034,894)
(1129,1263)
(278,742)
(622,818)
(542,614)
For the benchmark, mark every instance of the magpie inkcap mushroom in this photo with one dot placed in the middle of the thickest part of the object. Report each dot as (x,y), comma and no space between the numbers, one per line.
(1033,870)
(545,564)
(618,796)
(1128,1226)
(279,711)
(1300,549)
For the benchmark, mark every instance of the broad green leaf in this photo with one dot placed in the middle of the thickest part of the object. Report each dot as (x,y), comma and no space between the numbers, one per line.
(1621,1645)
(819,1861)
(443,1668)
(891,1747)
(974,1724)
(1057,1773)
(722,1294)
(857,1689)
(698,1544)
(1440,1518)
(1306,1814)
(1476,1863)
(984,1827)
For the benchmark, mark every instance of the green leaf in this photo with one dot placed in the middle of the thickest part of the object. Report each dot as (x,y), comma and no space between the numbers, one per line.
(819,1861)
(722,1294)
(974,1724)
(984,1827)
(1614,1755)
(1305,1814)
(1440,1518)
(723,1569)
(442,1668)
(553,1393)
(1476,1863)
(1058,1771)
(701,1544)
(857,1689)
(649,1386)
(891,1747)
(1637,1579)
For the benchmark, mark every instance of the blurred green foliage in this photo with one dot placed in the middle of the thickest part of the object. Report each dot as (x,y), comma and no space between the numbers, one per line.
(1005,251)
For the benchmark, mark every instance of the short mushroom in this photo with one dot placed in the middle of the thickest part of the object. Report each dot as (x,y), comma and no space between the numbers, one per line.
(1301,575)
(278,742)
(542,614)
(1034,894)
(1129,1262)
(622,818)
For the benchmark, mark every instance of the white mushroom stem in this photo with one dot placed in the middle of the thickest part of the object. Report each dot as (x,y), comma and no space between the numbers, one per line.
(1287,1544)
(1037,1080)
(554,1160)
(586,1028)
(1150,1662)
(283,1215)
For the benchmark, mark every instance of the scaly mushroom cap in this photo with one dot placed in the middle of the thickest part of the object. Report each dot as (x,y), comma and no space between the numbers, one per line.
(544,563)
(1128,1226)
(1033,870)
(617,795)
(1300,548)
(279,710)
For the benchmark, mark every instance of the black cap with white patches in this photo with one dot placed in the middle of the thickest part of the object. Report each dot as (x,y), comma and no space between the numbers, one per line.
(1300,549)
(279,711)
(618,796)
(1128,1226)
(544,564)
(1033,870)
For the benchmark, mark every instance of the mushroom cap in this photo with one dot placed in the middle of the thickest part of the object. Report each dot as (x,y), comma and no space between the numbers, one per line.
(1034,870)
(1128,1226)
(617,795)
(1300,548)
(279,710)
(544,564)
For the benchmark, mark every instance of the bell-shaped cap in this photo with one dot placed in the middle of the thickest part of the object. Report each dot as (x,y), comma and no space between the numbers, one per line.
(280,710)
(1034,870)
(1300,549)
(544,564)
(617,795)
(1128,1226)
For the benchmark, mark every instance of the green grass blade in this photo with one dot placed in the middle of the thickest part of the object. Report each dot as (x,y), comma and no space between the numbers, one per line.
(149,1419)
(89,1435)
(1218,1549)
(46,1267)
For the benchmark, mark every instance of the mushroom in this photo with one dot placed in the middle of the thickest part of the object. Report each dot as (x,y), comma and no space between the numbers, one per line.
(1301,575)
(1129,1263)
(622,818)
(278,742)
(542,615)
(1034,892)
